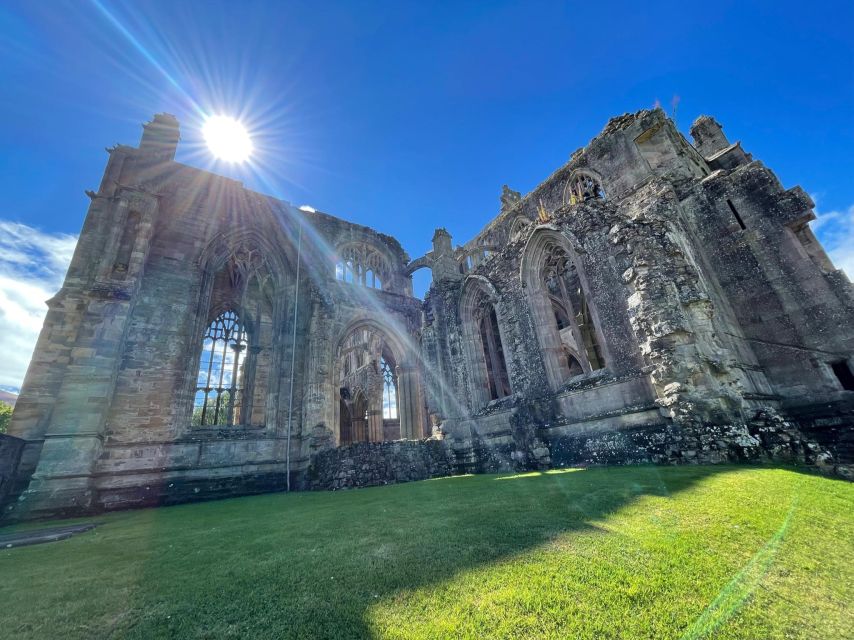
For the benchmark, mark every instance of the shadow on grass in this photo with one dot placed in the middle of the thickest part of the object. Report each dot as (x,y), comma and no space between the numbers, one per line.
(311,565)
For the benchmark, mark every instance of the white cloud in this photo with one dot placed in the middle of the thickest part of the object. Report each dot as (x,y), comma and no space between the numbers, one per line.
(835,230)
(32,267)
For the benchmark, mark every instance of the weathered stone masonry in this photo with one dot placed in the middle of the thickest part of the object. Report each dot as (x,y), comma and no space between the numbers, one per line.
(651,301)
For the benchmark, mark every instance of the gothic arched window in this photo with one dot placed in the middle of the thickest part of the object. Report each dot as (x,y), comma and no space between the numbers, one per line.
(220,382)
(572,313)
(517,228)
(366,368)
(582,187)
(483,344)
(361,264)
(563,318)
(389,391)
(493,354)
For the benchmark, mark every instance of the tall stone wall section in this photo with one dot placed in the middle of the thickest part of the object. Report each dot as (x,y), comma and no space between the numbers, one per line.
(105,410)
(720,315)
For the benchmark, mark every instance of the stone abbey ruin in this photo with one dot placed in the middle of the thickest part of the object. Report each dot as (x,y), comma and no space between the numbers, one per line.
(652,301)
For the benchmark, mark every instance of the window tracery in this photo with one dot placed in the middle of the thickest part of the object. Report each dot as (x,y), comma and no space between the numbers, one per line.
(389,391)
(367,370)
(582,187)
(235,361)
(564,320)
(220,381)
(572,314)
(363,265)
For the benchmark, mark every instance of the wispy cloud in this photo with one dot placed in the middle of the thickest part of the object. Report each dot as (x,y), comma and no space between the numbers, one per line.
(32,267)
(835,230)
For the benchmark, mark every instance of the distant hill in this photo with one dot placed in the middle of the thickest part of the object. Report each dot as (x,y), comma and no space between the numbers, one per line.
(7,397)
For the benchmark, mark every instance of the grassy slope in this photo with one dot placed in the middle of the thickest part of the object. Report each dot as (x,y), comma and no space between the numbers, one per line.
(642,552)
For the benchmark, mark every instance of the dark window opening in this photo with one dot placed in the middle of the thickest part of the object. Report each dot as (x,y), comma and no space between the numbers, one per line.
(493,351)
(585,187)
(843,374)
(345,420)
(735,213)
(573,365)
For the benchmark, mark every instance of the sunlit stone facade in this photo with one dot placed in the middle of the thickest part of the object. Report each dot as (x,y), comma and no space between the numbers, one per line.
(650,301)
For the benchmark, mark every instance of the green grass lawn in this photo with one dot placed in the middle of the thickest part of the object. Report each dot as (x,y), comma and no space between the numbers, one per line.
(631,552)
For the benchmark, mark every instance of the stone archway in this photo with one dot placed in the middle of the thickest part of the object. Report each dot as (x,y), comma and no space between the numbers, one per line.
(483,343)
(564,317)
(379,388)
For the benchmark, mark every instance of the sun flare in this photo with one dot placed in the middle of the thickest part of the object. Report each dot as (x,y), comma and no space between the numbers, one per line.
(227,139)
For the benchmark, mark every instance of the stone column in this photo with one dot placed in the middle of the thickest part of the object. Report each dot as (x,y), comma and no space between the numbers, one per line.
(375,423)
(320,396)
(245,415)
(409,402)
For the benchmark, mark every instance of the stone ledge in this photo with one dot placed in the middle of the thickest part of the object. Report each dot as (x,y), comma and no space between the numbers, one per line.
(40,536)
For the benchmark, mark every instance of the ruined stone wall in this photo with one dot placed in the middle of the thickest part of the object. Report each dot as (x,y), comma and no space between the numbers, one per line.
(368,464)
(705,325)
(106,407)
(793,310)
(714,303)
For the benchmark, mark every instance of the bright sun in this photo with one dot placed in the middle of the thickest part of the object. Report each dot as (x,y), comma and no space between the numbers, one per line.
(227,139)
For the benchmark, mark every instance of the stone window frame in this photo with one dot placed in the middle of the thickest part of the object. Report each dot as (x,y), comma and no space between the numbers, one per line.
(575,189)
(389,389)
(364,264)
(517,228)
(540,303)
(389,347)
(477,292)
(212,260)
(472,258)
(229,329)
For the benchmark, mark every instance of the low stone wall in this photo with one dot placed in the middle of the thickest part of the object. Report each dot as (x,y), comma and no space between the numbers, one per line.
(10,454)
(367,464)
(165,489)
(821,437)
(830,425)
(650,444)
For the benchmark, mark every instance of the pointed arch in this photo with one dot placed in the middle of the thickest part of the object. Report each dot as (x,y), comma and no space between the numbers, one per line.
(221,379)
(368,361)
(583,185)
(564,316)
(518,226)
(245,275)
(359,415)
(247,242)
(364,264)
(483,342)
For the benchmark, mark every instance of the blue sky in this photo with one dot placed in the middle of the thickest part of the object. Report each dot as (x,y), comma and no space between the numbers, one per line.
(403,116)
